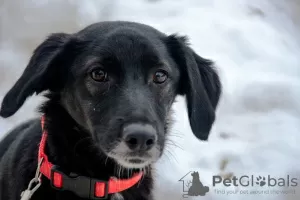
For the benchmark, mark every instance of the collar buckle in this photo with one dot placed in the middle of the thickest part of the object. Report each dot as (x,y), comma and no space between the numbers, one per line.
(82,186)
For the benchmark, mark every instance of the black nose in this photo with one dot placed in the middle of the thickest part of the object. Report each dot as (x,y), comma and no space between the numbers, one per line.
(139,136)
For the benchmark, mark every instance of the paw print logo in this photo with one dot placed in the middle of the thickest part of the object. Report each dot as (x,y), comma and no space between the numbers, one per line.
(261,181)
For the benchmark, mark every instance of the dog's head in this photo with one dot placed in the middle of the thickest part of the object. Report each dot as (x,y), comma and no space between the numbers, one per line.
(118,80)
(195,175)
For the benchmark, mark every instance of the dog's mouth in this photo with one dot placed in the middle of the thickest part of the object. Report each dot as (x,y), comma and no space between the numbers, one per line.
(134,160)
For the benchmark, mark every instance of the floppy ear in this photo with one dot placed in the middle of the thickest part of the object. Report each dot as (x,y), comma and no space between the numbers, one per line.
(199,82)
(42,69)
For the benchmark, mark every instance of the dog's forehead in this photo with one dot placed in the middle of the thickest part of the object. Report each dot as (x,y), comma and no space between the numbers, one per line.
(130,45)
(124,41)
(126,46)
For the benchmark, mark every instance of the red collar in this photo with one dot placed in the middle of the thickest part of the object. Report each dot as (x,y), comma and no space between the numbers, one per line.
(82,186)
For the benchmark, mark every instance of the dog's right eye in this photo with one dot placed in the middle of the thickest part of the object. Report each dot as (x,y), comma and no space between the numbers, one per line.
(99,75)
(160,76)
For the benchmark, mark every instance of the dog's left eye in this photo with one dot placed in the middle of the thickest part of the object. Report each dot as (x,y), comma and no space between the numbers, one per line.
(160,76)
(99,75)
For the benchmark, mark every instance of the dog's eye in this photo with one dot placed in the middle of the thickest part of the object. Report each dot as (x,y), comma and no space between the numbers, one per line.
(99,75)
(160,76)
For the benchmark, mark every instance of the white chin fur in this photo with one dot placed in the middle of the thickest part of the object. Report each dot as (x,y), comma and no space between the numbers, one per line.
(126,164)
(129,165)
(119,150)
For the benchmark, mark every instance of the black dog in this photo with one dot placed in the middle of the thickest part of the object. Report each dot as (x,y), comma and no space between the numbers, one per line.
(110,90)
(197,188)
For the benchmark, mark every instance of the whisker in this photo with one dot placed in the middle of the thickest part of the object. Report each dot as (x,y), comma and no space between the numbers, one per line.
(174,145)
(106,160)
(120,167)
(174,135)
(171,154)
(148,169)
(171,142)
(122,172)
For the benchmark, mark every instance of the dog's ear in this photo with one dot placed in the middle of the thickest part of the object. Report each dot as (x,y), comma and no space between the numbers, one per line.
(199,82)
(40,74)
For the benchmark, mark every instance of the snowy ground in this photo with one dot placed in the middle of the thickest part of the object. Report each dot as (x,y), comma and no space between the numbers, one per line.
(256,48)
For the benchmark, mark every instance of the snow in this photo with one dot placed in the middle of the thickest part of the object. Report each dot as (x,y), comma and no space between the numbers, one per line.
(256,49)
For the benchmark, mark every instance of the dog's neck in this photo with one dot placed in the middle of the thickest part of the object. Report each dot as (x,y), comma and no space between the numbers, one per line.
(72,148)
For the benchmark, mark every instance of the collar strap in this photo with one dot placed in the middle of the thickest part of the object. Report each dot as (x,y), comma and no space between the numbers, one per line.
(82,186)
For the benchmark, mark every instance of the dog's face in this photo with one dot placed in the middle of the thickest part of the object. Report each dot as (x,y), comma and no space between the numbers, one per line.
(121,90)
(118,81)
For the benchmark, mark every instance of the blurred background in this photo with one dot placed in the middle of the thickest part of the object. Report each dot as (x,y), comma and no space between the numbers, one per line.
(255,45)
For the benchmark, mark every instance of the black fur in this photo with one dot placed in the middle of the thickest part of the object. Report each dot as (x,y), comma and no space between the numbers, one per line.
(85,119)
